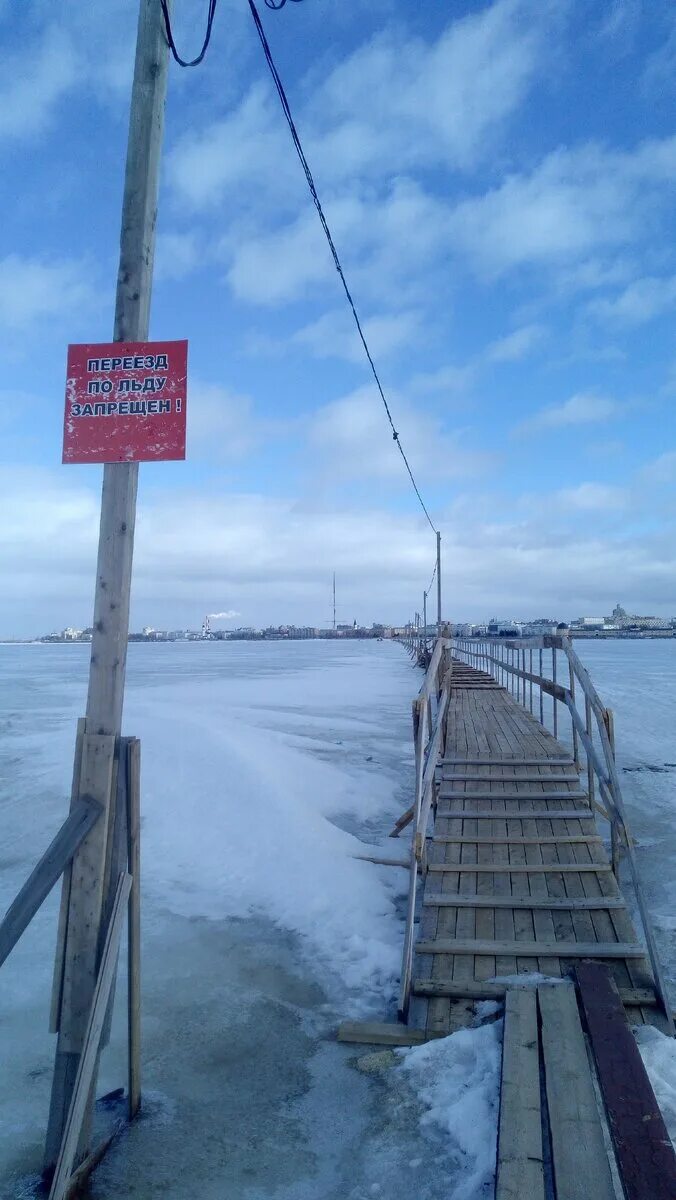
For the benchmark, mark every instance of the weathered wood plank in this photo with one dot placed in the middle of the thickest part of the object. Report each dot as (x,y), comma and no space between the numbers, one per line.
(520,839)
(519,1168)
(82,817)
(59,957)
(553,814)
(510,778)
(645,1155)
(495,868)
(90,1046)
(98,754)
(380,1033)
(133,793)
(447,794)
(496,901)
(505,761)
(528,949)
(489,989)
(578,1149)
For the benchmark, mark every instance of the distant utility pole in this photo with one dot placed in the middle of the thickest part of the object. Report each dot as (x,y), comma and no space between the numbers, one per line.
(116,544)
(425,614)
(438,584)
(334,600)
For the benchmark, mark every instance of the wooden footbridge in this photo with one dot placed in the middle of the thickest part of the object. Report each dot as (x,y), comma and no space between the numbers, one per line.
(512,890)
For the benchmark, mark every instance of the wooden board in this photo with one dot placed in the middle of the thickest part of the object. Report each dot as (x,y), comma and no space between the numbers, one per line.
(87,877)
(528,949)
(510,778)
(507,762)
(495,901)
(553,814)
(496,989)
(578,1149)
(519,1168)
(380,1033)
(90,1046)
(82,817)
(543,839)
(645,1155)
(496,868)
(569,797)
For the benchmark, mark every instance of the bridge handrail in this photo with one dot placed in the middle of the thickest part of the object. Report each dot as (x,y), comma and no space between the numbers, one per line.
(429,721)
(480,653)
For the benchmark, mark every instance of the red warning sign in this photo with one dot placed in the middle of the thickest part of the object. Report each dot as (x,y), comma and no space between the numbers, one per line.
(125,402)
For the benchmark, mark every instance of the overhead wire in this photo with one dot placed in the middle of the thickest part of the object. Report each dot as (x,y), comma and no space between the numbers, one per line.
(329,237)
(192,62)
(429,586)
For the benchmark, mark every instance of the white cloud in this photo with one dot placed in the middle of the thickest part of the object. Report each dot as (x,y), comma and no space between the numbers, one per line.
(273,557)
(574,203)
(397,102)
(449,378)
(354,438)
(583,408)
(593,497)
(34,82)
(33,289)
(222,425)
(176,255)
(402,100)
(515,345)
(661,470)
(639,302)
(244,151)
(334,335)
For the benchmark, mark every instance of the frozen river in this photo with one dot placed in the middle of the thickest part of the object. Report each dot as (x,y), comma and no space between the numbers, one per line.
(265,767)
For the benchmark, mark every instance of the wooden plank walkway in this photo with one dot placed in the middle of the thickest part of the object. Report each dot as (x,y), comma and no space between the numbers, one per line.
(513,826)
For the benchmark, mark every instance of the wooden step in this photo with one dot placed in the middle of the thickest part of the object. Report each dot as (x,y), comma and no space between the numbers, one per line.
(510,779)
(463,868)
(544,797)
(578,1149)
(495,814)
(496,989)
(451,900)
(533,949)
(506,762)
(544,840)
(519,1171)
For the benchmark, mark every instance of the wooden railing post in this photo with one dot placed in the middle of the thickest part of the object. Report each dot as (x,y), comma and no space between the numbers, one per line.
(576,748)
(609,722)
(542,695)
(590,765)
(555,714)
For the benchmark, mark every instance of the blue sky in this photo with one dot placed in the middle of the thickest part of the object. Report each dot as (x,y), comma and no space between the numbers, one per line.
(500,181)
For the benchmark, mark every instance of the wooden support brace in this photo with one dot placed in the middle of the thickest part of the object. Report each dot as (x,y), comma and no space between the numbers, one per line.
(90,1048)
(82,817)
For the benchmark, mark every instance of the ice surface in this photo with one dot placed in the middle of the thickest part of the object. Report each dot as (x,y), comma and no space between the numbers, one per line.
(265,768)
(659,1057)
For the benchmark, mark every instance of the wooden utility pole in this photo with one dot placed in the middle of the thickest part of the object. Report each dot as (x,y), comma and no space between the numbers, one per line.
(438,584)
(425,616)
(83,905)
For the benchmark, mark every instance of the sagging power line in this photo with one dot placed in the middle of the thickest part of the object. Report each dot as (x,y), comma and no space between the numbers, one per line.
(329,237)
(192,62)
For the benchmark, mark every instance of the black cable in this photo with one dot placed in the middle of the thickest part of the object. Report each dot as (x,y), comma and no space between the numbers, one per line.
(317,203)
(429,588)
(194,62)
(280,4)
